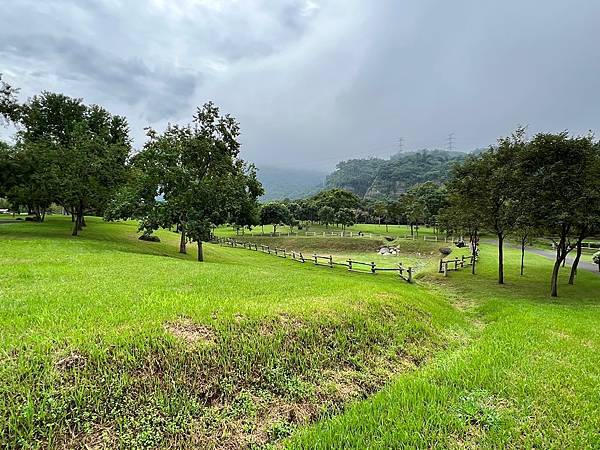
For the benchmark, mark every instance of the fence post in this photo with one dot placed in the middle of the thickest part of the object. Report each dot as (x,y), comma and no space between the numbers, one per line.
(446,269)
(462,263)
(349,264)
(441,262)
(410,274)
(331,261)
(372,267)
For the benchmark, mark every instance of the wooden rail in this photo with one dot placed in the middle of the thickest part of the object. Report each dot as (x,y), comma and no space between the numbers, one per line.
(405,273)
(459,263)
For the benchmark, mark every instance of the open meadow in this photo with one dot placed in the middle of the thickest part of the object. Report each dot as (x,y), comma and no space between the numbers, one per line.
(107,341)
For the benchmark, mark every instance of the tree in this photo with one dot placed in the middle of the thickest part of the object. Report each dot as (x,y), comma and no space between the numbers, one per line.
(9,106)
(246,209)
(380,210)
(462,217)
(431,198)
(327,215)
(191,177)
(345,217)
(558,168)
(492,174)
(414,210)
(274,213)
(336,199)
(587,222)
(66,152)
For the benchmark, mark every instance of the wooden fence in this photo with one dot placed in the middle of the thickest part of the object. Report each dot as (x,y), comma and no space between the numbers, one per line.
(404,273)
(458,263)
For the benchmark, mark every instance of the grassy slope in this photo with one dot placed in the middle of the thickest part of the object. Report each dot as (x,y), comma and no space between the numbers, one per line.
(529,378)
(85,357)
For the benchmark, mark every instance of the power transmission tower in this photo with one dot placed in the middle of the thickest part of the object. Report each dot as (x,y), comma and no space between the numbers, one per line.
(400,144)
(450,142)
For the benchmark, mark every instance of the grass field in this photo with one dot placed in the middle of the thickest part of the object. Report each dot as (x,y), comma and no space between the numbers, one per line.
(110,341)
(375,229)
(528,379)
(107,341)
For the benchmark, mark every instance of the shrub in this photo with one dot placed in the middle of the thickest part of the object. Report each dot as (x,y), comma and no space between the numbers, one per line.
(445,251)
(149,238)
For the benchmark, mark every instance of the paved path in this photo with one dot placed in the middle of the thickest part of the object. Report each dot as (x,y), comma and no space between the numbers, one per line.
(583,263)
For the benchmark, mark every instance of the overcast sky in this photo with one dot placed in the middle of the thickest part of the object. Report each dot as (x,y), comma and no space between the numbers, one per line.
(313,82)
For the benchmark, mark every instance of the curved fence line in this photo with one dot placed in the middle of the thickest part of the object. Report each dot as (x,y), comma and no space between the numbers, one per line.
(404,273)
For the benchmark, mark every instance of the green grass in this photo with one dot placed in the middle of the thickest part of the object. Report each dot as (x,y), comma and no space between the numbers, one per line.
(110,341)
(375,229)
(528,379)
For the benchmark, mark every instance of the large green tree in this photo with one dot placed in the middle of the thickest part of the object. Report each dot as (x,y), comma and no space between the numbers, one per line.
(66,152)
(191,177)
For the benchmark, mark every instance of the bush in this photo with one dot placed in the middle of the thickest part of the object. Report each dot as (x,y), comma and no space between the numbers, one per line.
(149,238)
(445,251)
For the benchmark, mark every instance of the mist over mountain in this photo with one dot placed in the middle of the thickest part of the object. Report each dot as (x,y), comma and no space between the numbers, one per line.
(376,178)
(280,183)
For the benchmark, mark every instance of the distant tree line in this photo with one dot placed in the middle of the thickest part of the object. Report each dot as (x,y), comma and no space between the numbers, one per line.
(420,205)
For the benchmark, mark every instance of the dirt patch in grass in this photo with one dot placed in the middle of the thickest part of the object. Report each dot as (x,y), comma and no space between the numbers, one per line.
(189,331)
(70,362)
(253,386)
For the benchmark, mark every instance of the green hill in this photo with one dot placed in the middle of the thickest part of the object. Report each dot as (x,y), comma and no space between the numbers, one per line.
(388,178)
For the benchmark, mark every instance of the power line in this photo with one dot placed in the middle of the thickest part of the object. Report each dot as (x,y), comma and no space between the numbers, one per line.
(450,142)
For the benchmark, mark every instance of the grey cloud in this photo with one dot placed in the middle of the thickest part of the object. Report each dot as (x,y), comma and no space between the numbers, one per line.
(315,82)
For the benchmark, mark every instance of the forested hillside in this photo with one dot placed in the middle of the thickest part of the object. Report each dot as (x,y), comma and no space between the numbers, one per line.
(388,178)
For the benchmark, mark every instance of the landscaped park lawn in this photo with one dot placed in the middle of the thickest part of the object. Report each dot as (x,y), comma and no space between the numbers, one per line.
(529,377)
(110,341)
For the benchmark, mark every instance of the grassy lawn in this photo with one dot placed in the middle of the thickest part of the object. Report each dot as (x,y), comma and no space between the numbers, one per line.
(108,341)
(375,229)
(528,378)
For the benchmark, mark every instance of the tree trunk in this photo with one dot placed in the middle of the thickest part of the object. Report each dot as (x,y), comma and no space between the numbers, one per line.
(575,263)
(473,253)
(500,258)
(182,241)
(83,224)
(554,281)
(411,230)
(75,226)
(386,227)
(200,252)
(522,254)
(561,255)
